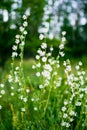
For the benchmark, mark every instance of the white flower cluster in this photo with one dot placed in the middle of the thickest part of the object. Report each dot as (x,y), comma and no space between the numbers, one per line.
(61,46)
(2,92)
(20,37)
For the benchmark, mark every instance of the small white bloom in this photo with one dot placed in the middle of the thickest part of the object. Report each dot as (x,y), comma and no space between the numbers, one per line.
(41,53)
(17,36)
(64,33)
(61,54)
(78,103)
(41,86)
(35,108)
(16,79)
(49,54)
(38,65)
(63,108)
(22,43)
(24,17)
(0,107)
(37,57)
(20,83)
(17,68)
(25,32)
(27,90)
(14,47)
(83,72)
(65,115)
(14,54)
(1,85)
(17,41)
(51,48)
(48,67)
(33,66)
(63,123)
(25,24)
(21,97)
(12,94)
(67,125)
(61,46)
(71,119)
(65,102)
(72,113)
(41,37)
(44,59)
(63,39)
(25,99)
(77,67)
(21,29)
(2,92)
(32,99)
(0,96)
(80,63)
(44,45)
(38,74)
(10,79)
(23,109)
(46,74)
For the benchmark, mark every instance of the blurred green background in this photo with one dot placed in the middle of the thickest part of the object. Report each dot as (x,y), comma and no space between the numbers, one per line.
(53,15)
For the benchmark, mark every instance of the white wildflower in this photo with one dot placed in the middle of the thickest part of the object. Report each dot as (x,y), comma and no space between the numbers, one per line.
(23,109)
(41,86)
(38,74)
(33,66)
(17,36)
(14,47)
(44,59)
(61,46)
(51,48)
(65,102)
(78,103)
(65,115)
(61,54)
(21,29)
(48,67)
(38,65)
(2,92)
(0,107)
(67,125)
(32,99)
(64,33)
(25,24)
(25,99)
(35,108)
(80,63)
(12,94)
(41,36)
(25,32)
(14,54)
(44,45)
(27,90)
(63,39)
(17,41)
(63,123)
(72,113)
(1,85)
(77,67)
(22,43)
(24,17)
(37,57)
(17,68)
(63,108)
